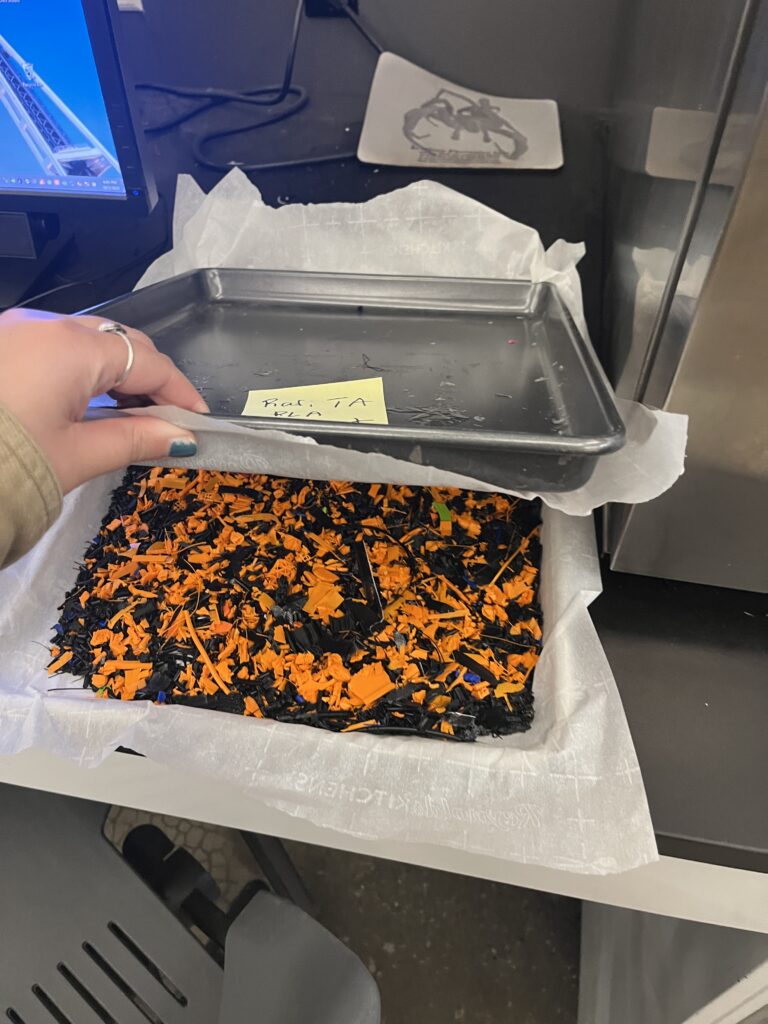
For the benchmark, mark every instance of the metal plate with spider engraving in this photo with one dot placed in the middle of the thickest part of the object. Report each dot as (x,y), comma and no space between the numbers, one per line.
(417,119)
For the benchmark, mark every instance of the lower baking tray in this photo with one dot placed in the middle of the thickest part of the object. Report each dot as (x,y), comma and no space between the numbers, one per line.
(490,379)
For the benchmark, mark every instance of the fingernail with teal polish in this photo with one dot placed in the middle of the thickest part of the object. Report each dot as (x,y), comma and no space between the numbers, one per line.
(183,449)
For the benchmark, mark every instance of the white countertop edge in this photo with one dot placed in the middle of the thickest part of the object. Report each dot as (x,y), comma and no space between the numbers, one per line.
(674,887)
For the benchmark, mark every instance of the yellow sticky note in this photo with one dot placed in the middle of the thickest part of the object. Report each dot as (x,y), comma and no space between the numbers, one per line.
(351,401)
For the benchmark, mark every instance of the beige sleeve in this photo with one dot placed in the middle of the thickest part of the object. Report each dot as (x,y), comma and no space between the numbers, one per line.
(30,496)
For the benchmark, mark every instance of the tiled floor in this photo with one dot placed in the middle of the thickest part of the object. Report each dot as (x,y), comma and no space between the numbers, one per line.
(443,948)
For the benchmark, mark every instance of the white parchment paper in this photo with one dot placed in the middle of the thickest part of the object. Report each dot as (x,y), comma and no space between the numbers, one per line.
(567,794)
(648,464)
(423,229)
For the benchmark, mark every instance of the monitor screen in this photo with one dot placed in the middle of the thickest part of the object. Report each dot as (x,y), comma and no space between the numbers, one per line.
(55,135)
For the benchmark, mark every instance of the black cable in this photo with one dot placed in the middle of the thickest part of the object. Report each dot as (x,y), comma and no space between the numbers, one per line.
(199,144)
(291,62)
(144,258)
(217,97)
(360,25)
(50,291)
(265,96)
(304,161)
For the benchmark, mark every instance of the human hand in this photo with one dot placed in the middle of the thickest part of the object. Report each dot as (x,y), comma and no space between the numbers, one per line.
(50,368)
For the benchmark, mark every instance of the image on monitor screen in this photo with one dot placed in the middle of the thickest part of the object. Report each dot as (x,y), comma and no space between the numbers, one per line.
(55,135)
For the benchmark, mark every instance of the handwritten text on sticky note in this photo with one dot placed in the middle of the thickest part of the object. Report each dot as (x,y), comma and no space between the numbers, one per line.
(352,401)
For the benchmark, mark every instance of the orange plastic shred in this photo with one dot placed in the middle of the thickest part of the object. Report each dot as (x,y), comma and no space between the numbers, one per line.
(323,597)
(252,708)
(428,621)
(369,684)
(204,654)
(60,662)
(507,687)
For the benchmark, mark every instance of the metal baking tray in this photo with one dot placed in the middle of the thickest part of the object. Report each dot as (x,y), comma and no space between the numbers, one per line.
(490,379)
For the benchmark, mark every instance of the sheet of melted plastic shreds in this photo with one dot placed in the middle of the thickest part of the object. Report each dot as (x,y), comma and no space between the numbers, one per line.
(342,606)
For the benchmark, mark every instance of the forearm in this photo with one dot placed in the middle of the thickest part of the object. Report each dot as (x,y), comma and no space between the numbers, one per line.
(30,496)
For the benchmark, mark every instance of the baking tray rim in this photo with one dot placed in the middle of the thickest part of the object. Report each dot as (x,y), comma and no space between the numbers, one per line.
(604,443)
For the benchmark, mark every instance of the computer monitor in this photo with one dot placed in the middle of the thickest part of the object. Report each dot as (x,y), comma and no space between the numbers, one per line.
(66,133)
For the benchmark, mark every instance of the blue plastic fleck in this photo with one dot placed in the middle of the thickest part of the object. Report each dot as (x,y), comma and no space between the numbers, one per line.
(58,628)
(471,677)
(161,696)
(299,699)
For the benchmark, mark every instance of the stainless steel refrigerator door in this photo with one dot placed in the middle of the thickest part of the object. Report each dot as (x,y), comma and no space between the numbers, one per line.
(688,300)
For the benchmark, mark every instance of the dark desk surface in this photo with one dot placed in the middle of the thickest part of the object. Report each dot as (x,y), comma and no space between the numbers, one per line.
(691,663)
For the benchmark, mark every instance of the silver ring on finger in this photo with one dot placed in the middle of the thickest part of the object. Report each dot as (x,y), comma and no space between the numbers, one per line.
(110,327)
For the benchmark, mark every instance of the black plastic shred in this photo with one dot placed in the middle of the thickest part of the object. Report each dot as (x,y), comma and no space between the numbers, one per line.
(238,574)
